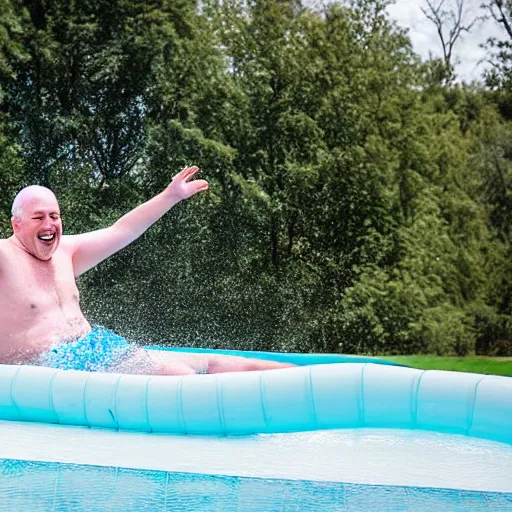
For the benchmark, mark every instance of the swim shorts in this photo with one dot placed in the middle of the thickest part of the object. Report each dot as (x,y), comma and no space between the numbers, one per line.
(95,352)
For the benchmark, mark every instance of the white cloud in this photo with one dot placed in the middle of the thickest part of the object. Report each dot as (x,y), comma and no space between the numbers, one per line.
(425,40)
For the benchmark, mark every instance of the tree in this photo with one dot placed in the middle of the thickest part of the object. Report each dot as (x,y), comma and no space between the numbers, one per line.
(12,51)
(499,76)
(450,25)
(85,93)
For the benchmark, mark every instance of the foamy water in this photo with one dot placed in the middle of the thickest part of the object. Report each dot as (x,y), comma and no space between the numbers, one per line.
(360,456)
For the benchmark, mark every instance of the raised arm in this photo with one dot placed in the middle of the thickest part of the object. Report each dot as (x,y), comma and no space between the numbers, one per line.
(89,249)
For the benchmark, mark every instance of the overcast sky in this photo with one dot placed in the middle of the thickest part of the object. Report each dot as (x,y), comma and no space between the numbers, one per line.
(424,38)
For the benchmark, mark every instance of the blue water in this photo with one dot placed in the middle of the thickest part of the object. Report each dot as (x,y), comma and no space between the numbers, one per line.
(28,486)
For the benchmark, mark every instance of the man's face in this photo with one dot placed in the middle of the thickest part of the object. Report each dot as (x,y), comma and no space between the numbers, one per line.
(40,227)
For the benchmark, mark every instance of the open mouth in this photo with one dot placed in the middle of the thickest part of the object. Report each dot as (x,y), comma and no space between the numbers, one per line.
(47,238)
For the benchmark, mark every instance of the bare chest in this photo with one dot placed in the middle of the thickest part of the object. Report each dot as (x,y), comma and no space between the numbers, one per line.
(34,286)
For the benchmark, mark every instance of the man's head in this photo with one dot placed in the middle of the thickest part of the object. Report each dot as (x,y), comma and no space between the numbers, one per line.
(36,221)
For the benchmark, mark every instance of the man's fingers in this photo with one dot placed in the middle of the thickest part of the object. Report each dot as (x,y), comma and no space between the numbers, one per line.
(192,172)
(200,185)
(182,173)
(188,172)
(182,186)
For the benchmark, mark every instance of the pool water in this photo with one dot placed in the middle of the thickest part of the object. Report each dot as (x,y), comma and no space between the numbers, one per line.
(61,468)
(27,486)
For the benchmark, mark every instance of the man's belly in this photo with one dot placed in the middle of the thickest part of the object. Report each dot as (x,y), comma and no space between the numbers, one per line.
(21,341)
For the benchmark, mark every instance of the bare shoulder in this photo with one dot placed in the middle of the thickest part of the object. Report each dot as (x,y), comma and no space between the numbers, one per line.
(4,246)
(71,244)
(68,244)
(4,252)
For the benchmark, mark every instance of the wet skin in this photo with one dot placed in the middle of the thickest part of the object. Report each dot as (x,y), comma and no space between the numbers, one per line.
(39,300)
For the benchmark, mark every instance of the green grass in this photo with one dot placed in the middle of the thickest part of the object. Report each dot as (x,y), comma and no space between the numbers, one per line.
(471,364)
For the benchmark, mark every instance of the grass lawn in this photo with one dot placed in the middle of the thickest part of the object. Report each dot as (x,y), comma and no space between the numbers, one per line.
(472,364)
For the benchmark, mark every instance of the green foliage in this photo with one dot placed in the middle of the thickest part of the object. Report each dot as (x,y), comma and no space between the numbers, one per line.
(11,179)
(12,51)
(84,95)
(357,202)
(494,330)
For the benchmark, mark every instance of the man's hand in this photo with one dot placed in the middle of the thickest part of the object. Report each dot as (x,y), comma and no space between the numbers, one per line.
(88,249)
(182,188)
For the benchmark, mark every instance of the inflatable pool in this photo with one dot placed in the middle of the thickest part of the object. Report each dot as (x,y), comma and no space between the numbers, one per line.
(357,431)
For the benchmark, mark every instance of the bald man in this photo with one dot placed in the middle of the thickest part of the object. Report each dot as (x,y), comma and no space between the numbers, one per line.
(40,317)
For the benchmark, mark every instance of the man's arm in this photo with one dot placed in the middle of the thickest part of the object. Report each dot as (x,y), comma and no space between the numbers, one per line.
(89,249)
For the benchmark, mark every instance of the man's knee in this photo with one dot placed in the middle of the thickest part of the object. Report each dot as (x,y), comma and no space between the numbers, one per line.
(225,364)
(173,368)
